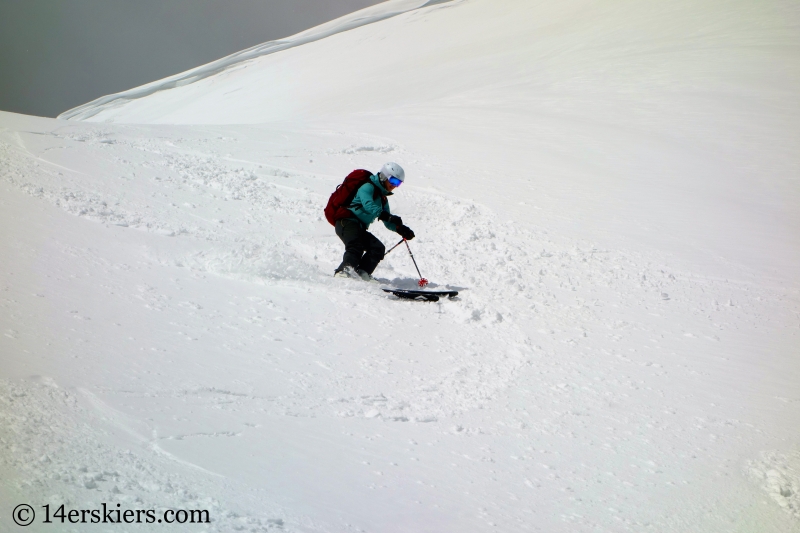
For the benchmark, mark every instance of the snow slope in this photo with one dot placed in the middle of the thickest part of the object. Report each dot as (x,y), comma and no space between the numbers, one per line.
(672,125)
(613,187)
(363,17)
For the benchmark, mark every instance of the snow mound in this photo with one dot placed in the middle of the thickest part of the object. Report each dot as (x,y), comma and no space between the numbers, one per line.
(779,476)
(63,445)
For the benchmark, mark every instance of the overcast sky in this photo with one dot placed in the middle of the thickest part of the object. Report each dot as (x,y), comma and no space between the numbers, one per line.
(57,54)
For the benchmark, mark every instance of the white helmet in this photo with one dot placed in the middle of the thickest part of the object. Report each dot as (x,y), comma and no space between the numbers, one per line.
(392,170)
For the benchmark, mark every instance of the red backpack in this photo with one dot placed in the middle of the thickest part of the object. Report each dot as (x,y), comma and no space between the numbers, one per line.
(344,194)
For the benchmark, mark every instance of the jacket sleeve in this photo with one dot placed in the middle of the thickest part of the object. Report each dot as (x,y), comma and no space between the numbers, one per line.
(389,225)
(372,206)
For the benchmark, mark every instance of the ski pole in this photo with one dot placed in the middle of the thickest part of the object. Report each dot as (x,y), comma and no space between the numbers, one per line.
(422,281)
(393,247)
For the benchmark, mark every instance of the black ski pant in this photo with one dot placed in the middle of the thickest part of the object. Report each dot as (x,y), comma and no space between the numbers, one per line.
(362,249)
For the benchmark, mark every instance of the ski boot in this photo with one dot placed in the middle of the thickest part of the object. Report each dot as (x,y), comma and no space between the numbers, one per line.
(366,276)
(347,271)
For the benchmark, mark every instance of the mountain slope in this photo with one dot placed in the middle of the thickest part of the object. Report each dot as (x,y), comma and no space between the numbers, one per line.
(612,188)
(366,16)
(670,126)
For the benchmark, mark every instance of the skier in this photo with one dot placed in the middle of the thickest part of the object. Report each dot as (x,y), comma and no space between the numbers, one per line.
(362,250)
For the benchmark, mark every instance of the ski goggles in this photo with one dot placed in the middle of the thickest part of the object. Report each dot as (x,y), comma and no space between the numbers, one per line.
(396,182)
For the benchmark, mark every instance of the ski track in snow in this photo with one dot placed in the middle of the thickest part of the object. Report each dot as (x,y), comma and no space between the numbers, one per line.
(606,351)
(59,452)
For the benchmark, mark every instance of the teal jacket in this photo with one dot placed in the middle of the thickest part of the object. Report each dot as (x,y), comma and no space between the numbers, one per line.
(367,204)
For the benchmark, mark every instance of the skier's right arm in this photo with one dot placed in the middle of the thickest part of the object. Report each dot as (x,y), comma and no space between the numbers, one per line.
(364,196)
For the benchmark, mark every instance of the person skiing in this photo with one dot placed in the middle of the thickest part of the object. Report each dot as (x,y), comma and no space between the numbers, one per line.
(362,250)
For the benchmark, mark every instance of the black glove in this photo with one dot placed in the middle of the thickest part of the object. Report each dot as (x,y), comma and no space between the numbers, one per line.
(391,219)
(405,232)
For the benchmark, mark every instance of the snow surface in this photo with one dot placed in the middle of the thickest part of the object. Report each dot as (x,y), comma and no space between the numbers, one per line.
(612,187)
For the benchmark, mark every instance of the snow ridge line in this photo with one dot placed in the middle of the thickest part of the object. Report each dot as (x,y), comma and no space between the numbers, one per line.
(360,18)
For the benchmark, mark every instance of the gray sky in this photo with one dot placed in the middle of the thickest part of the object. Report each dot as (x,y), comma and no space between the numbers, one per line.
(57,54)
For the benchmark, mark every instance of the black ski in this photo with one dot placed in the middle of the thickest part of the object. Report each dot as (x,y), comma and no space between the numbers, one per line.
(429,296)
